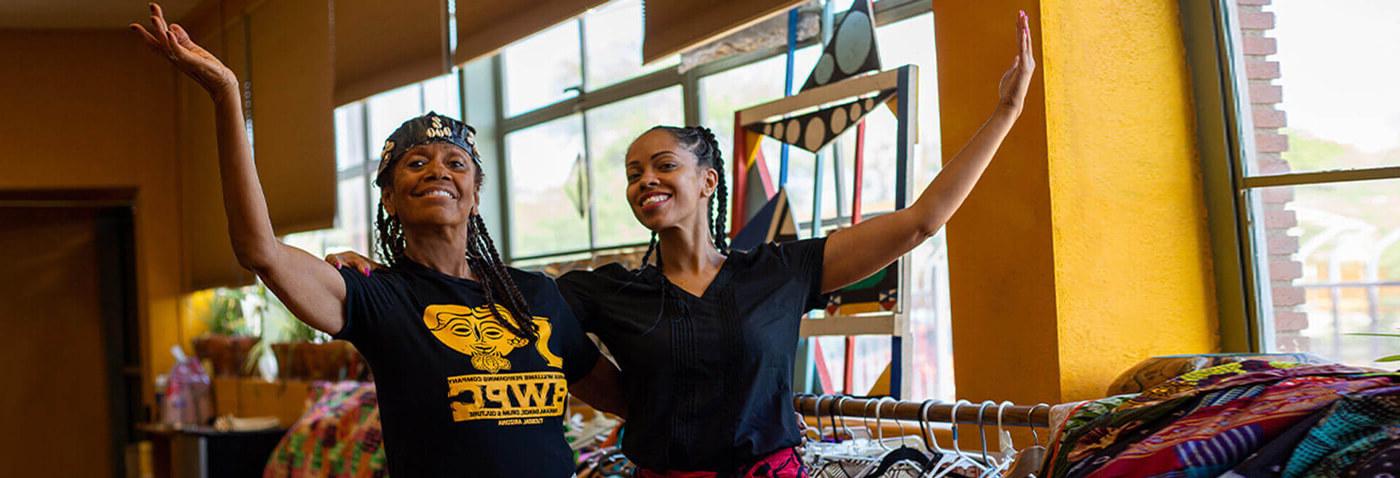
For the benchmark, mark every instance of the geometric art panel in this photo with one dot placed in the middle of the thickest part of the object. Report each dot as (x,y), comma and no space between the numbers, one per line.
(851,51)
(814,130)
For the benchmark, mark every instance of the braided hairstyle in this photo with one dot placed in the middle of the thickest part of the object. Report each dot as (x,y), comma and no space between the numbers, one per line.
(482,258)
(701,142)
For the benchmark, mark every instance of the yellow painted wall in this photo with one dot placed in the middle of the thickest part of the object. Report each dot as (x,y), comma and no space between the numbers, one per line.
(96,110)
(1132,252)
(1002,287)
(1084,248)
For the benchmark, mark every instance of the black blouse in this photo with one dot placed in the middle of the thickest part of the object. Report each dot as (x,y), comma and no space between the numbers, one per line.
(708,379)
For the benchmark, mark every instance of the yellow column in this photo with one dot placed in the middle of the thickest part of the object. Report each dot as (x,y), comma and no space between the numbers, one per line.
(1084,248)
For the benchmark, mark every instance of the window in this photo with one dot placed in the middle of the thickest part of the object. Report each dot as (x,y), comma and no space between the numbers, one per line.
(542,69)
(443,95)
(613,44)
(548,188)
(1323,175)
(611,129)
(360,129)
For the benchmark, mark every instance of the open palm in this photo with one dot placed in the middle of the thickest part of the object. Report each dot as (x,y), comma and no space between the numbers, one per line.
(1017,80)
(173,42)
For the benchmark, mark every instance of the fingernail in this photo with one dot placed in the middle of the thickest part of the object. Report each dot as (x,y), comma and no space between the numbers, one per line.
(366,271)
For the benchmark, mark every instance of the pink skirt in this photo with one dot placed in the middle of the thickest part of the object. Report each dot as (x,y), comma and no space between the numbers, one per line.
(784,463)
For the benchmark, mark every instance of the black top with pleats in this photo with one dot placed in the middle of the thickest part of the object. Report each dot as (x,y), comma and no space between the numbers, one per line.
(708,379)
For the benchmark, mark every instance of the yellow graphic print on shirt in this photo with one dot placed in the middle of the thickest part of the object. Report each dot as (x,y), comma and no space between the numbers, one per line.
(512,398)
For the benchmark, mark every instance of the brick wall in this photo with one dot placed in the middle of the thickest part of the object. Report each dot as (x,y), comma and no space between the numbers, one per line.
(1257,24)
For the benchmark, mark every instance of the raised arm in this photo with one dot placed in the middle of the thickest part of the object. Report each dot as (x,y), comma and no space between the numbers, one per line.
(857,252)
(312,289)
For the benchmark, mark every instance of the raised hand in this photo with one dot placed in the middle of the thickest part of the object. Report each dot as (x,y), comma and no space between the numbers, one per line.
(1017,80)
(173,42)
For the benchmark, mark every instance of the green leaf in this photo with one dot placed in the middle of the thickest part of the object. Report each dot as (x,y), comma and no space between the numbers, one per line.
(1364,334)
(1392,358)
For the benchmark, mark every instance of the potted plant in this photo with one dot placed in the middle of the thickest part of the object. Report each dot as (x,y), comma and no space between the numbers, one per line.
(303,353)
(229,341)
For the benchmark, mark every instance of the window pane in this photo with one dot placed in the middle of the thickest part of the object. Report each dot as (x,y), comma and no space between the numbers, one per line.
(351,223)
(544,218)
(349,137)
(390,109)
(613,43)
(1332,255)
(724,93)
(1326,99)
(442,94)
(540,68)
(611,129)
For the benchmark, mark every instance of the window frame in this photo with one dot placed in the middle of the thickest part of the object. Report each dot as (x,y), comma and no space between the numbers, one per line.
(886,12)
(1225,142)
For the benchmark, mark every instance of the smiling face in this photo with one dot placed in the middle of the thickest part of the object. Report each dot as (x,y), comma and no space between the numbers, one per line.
(666,185)
(433,184)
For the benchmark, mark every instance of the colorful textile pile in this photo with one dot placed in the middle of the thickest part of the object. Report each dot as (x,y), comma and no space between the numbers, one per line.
(1251,418)
(338,436)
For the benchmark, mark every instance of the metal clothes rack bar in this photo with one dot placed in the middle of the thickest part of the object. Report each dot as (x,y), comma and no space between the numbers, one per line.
(940,412)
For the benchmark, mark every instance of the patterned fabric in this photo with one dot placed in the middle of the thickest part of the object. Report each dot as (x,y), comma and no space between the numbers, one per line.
(1153,371)
(1068,430)
(1353,453)
(1383,463)
(1216,437)
(338,436)
(1201,423)
(1353,419)
(1233,375)
(1270,459)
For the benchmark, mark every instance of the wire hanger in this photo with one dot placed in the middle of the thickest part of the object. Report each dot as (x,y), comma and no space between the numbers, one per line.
(962,458)
(900,459)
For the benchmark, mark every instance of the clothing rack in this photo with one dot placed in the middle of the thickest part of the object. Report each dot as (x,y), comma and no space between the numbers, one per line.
(968,413)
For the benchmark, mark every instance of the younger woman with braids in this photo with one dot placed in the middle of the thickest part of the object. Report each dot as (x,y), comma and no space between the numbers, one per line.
(706,336)
(472,361)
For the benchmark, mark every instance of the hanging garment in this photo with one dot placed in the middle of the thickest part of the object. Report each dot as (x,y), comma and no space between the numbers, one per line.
(1026,462)
(1076,422)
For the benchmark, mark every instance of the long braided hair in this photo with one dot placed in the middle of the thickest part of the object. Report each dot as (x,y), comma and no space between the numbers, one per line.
(482,258)
(701,142)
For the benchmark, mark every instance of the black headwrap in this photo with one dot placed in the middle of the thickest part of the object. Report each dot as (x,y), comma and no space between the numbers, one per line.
(429,128)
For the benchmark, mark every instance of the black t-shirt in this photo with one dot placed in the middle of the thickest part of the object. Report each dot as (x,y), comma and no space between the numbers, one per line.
(708,379)
(460,395)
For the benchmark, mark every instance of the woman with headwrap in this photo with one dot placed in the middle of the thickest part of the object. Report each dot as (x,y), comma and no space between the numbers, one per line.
(473,361)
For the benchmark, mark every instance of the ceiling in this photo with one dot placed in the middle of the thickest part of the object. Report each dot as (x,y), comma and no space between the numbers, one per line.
(83,14)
